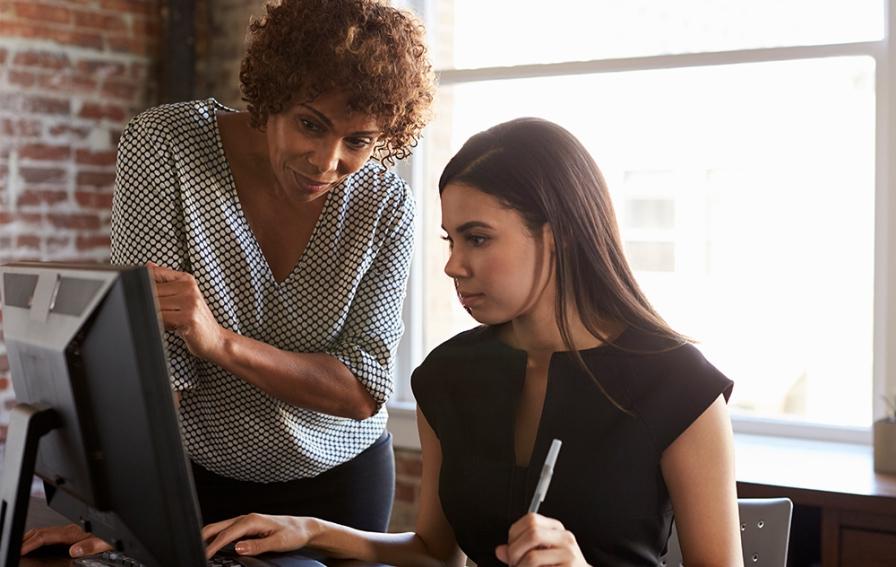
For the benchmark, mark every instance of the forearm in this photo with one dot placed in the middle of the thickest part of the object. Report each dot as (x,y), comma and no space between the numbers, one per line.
(315,381)
(401,550)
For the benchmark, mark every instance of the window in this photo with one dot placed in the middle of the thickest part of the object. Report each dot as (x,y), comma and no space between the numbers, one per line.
(738,140)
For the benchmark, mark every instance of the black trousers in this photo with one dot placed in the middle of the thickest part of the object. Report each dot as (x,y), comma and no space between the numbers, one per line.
(357,493)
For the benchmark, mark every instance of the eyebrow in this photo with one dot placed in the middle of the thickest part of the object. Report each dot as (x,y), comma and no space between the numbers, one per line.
(329,123)
(469,225)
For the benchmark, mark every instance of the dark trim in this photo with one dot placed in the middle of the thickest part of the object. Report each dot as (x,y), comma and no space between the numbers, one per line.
(177,56)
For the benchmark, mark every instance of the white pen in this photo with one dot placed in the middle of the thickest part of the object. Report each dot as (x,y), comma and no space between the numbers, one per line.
(544,481)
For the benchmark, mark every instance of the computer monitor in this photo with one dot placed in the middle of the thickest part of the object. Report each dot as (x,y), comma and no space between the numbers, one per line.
(95,416)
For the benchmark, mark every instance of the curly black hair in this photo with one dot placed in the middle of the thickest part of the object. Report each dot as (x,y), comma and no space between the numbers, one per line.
(303,48)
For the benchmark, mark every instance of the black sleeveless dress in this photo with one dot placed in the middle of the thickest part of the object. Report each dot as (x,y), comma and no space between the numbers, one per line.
(607,488)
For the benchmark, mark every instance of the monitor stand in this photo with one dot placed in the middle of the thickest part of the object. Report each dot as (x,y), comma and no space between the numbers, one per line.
(27,424)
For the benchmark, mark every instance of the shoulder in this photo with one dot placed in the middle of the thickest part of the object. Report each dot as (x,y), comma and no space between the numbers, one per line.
(670,385)
(461,349)
(373,182)
(173,122)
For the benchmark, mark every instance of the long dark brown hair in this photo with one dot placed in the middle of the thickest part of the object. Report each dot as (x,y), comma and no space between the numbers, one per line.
(540,170)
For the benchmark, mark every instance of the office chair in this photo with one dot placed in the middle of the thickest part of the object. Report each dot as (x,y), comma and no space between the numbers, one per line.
(764,532)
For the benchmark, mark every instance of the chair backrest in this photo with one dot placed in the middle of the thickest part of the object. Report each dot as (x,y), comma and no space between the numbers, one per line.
(764,532)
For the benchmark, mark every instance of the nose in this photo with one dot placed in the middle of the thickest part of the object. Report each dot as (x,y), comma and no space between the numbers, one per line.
(455,267)
(325,156)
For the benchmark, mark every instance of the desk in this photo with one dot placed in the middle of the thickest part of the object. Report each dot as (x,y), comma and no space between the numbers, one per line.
(39,515)
(832,485)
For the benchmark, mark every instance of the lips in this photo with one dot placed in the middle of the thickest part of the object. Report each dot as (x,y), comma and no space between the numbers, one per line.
(309,184)
(469,299)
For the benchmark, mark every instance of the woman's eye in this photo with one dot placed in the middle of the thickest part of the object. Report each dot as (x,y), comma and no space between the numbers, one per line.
(358,143)
(476,240)
(448,240)
(309,125)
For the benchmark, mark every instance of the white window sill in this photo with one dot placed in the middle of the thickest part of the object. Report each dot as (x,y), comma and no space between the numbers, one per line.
(403,426)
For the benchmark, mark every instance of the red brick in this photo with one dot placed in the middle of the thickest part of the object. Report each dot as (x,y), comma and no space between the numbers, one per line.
(139,71)
(25,218)
(92,242)
(67,82)
(2,56)
(42,59)
(74,221)
(45,152)
(409,466)
(68,130)
(19,127)
(42,174)
(136,45)
(100,111)
(33,197)
(405,492)
(101,69)
(132,6)
(42,12)
(27,241)
(88,157)
(91,200)
(81,39)
(95,179)
(146,26)
(15,102)
(21,78)
(99,21)
(120,90)
(59,35)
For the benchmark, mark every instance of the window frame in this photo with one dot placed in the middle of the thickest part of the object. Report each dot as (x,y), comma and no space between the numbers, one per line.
(883,52)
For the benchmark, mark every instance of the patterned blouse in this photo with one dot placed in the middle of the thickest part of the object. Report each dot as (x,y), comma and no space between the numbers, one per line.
(176,204)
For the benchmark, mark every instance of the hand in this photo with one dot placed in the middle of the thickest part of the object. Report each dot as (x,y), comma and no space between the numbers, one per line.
(82,543)
(266,533)
(184,311)
(535,541)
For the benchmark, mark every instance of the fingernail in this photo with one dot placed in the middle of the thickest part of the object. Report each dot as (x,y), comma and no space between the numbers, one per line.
(241,548)
(77,551)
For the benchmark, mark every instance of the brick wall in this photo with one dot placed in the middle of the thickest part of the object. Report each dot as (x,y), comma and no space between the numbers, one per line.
(72,72)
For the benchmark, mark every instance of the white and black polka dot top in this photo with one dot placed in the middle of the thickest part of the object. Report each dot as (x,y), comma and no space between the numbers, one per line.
(176,204)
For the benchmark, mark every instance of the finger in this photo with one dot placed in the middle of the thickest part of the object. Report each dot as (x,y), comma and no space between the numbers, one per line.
(89,546)
(501,553)
(177,287)
(215,528)
(542,557)
(163,274)
(529,522)
(251,525)
(49,536)
(540,536)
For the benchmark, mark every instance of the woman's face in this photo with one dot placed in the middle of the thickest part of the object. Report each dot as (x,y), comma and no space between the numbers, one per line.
(500,269)
(314,145)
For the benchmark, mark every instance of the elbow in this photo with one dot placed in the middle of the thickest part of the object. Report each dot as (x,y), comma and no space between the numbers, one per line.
(364,408)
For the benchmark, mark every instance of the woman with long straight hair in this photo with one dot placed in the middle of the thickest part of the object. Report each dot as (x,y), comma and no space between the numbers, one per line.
(569,349)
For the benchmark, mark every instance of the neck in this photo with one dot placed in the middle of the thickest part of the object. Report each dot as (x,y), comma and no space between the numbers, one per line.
(537,332)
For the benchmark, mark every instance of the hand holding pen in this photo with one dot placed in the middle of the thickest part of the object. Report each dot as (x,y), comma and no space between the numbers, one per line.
(537,540)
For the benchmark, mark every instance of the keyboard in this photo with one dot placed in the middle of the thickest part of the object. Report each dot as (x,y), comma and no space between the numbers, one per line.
(115,559)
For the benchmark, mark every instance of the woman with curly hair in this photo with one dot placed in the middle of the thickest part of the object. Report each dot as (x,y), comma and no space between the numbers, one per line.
(280,245)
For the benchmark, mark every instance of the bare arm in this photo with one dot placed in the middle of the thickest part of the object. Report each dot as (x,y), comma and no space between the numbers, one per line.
(432,545)
(315,381)
(699,471)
